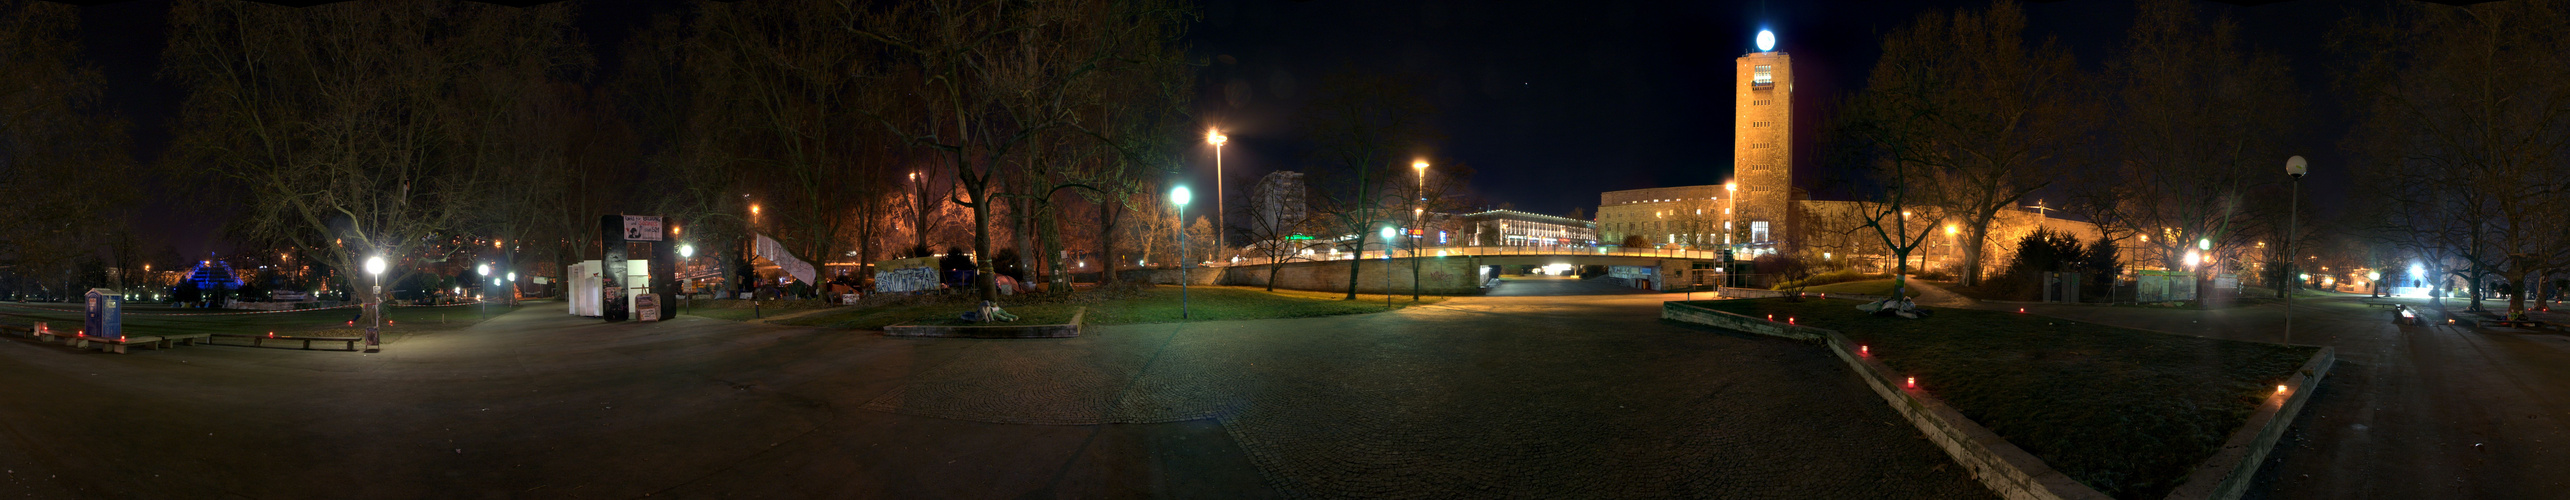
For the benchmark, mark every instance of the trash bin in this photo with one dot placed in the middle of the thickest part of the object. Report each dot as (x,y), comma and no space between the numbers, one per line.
(104,316)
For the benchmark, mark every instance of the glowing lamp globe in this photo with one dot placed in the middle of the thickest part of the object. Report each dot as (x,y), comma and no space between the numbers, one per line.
(2296,166)
(484,269)
(1766,41)
(375,265)
(1180,196)
(513,277)
(686,251)
(1387,233)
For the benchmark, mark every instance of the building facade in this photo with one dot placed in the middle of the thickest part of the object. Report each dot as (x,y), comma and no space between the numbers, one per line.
(1523,229)
(1278,204)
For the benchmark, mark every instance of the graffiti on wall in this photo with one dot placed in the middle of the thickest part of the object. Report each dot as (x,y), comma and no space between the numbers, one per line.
(906,275)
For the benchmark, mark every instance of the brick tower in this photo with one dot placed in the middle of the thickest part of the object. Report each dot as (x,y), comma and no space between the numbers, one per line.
(1762,158)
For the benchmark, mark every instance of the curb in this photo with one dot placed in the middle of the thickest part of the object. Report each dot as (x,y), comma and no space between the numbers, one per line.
(1061,331)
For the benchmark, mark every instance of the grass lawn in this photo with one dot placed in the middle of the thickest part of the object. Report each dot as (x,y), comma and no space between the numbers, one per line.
(2127,412)
(1154,305)
(1867,287)
(328,322)
(742,310)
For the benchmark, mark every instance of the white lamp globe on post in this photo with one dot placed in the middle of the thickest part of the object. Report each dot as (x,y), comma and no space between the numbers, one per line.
(1387,266)
(1179,198)
(1766,41)
(2293,167)
(688,251)
(375,268)
(485,271)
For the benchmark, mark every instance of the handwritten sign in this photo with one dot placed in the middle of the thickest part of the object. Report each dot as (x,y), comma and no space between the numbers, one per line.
(642,228)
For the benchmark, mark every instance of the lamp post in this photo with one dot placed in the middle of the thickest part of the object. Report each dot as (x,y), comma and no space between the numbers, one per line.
(484,271)
(1387,267)
(1221,220)
(374,338)
(1179,197)
(685,252)
(1418,216)
(2293,167)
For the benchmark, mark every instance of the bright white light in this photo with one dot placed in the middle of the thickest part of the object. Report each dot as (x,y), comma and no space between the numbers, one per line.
(2417,271)
(1180,196)
(2204,243)
(2193,259)
(686,251)
(1387,233)
(375,265)
(484,269)
(1766,40)
(513,277)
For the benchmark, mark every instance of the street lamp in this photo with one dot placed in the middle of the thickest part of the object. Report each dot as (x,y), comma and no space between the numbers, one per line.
(1221,220)
(375,268)
(484,271)
(2293,167)
(686,252)
(1387,266)
(1179,198)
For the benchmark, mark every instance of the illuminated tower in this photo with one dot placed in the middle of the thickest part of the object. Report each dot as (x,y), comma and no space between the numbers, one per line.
(1762,157)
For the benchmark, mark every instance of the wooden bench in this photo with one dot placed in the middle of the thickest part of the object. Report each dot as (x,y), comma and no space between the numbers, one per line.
(347,343)
(2381,303)
(118,345)
(2402,315)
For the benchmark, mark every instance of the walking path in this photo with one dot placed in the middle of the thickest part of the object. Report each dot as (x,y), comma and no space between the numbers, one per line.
(2426,411)
(1475,397)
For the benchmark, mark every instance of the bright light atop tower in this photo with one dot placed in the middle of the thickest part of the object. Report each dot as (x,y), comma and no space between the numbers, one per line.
(1766,41)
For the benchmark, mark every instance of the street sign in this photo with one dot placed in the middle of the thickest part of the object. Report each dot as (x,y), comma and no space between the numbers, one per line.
(642,228)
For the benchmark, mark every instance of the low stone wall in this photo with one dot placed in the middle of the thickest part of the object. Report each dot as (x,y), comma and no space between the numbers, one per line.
(1439,276)
(2226,476)
(2006,469)
(1060,331)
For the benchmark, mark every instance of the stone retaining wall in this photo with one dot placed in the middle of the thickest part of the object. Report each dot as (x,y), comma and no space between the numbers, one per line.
(1438,276)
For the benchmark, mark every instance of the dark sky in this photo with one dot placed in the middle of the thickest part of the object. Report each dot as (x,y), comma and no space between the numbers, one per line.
(1555,102)
(1552,102)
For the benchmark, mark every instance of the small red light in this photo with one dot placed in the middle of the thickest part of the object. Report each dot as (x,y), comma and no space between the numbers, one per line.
(1789,320)
(272,335)
(2021,310)
(1864,351)
(1914,382)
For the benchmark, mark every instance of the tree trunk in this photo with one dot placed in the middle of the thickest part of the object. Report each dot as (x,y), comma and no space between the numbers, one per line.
(1355,261)
(982,247)
(1108,211)
(1970,274)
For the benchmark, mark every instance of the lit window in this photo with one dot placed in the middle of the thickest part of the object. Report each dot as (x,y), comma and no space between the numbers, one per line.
(1758,231)
(1763,75)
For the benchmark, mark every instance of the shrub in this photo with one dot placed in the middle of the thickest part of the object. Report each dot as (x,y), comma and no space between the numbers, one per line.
(1838,276)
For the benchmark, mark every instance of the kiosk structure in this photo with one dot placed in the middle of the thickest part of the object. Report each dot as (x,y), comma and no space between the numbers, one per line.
(639,258)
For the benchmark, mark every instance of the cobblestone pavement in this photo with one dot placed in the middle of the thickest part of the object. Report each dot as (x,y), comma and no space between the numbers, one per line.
(1520,397)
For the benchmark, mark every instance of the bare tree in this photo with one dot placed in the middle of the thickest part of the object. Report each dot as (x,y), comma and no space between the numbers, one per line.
(1985,117)
(1360,125)
(2202,120)
(2466,119)
(63,164)
(332,116)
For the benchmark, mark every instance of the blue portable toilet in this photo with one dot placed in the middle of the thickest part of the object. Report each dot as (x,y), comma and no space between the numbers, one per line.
(105,315)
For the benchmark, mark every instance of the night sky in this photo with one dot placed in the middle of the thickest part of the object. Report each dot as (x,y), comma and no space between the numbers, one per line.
(1552,102)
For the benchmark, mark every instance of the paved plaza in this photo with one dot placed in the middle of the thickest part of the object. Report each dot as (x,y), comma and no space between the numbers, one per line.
(1587,396)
